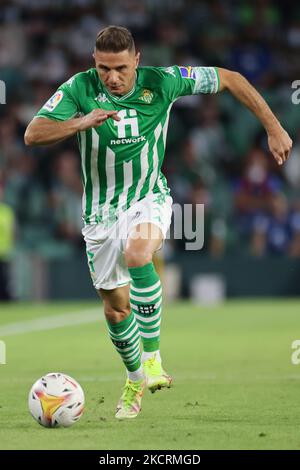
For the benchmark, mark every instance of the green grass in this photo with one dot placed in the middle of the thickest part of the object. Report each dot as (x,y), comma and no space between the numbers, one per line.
(234,384)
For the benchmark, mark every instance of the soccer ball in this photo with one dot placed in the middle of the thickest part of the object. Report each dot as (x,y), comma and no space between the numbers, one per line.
(56,400)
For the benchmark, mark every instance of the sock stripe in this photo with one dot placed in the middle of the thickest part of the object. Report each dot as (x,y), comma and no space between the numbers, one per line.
(133,361)
(133,355)
(150,335)
(141,293)
(146,328)
(151,327)
(145,299)
(133,344)
(147,320)
(131,347)
(130,338)
(129,332)
(128,357)
(145,289)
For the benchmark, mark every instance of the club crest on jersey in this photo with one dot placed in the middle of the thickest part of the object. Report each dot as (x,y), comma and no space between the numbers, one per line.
(187,72)
(146,96)
(53,101)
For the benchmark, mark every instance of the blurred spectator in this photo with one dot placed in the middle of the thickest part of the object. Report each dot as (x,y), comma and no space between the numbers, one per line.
(278,232)
(254,192)
(251,57)
(215,230)
(27,194)
(208,140)
(45,42)
(217,38)
(292,168)
(11,147)
(66,198)
(7,228)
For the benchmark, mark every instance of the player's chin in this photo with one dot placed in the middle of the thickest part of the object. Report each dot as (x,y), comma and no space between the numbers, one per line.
(116,90)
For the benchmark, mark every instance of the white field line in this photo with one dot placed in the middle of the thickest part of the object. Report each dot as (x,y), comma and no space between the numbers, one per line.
(52,322)
(178,378)
(202,378)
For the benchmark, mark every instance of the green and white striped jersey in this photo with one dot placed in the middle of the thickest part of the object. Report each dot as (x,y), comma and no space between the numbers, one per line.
(121,160)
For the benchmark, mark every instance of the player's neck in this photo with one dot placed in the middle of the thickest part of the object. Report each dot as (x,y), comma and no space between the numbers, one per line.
(128,92)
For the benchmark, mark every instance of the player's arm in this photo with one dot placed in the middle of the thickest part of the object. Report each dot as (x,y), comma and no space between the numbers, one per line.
(45,131)
(280,143)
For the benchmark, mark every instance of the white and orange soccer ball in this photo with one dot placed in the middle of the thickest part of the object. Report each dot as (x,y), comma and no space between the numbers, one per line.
(56,400)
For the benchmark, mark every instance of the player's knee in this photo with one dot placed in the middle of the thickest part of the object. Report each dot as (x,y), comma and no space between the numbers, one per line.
(116,314)
(135,258)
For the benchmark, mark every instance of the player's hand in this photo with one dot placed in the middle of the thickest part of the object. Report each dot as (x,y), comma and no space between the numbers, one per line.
(280,144)
(97,117)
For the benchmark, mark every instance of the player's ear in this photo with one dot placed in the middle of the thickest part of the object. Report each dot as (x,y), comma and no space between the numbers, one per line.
(137,58)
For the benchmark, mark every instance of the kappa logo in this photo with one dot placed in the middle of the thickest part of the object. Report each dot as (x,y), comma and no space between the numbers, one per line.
(53,101)
(70,81)
(171,71)
(102,98)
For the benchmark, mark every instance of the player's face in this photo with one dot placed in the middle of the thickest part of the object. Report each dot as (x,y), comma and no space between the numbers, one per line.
(117,70)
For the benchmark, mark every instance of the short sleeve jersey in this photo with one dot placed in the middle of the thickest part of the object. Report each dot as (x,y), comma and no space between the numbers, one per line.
(121,160)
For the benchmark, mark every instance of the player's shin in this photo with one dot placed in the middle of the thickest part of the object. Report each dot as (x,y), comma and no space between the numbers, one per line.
(126,339)
(146,303)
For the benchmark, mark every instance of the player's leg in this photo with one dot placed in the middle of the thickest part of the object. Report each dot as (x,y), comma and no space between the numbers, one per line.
(159,264)
(146,298)
(123,329)
(109,272)
(124,334)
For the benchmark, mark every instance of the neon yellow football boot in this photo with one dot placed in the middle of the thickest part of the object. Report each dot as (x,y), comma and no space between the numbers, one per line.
(129,404)
(156,377)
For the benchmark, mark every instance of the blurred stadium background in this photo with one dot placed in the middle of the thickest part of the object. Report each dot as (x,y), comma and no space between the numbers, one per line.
(216,154)
(235,385)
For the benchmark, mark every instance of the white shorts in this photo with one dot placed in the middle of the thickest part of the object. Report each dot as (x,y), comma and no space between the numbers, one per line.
(105,245)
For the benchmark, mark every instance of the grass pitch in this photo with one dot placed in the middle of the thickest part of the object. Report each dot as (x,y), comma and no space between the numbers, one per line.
(234,384)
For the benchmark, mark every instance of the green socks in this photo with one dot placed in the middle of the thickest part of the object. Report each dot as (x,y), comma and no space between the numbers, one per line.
(145,300)
(143,322)
(126,339)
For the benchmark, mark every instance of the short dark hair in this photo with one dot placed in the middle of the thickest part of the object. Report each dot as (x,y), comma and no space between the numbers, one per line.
(115,39)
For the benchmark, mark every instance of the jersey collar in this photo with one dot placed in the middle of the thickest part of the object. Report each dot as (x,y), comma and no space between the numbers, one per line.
(123,97)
